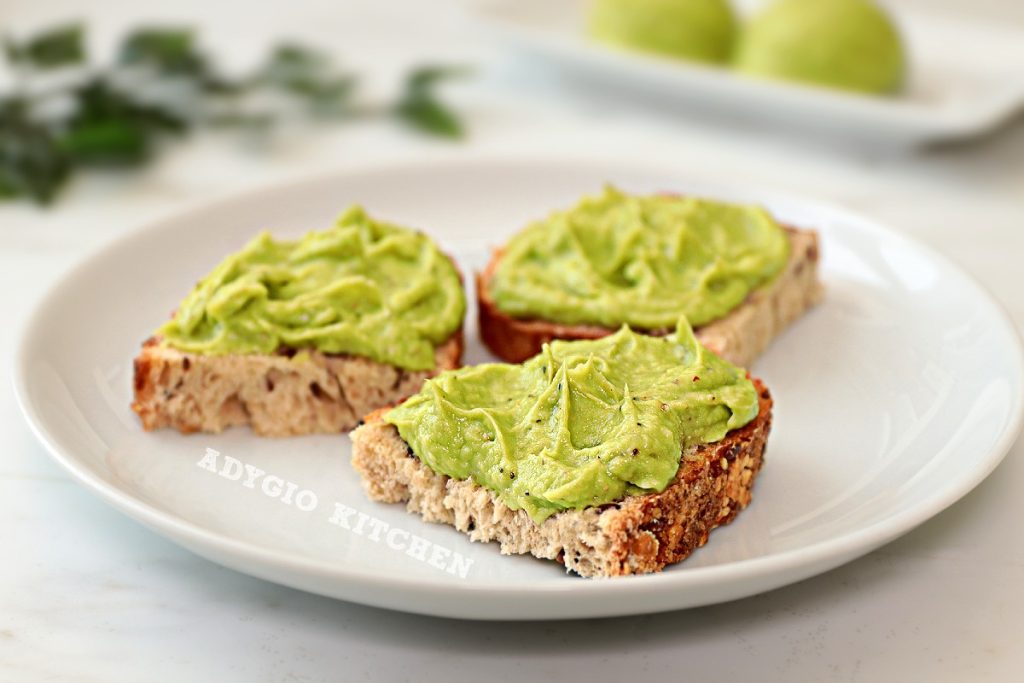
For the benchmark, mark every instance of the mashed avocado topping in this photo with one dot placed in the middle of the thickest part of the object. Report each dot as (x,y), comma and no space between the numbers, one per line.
(362,287)
(639,260)
(583,423)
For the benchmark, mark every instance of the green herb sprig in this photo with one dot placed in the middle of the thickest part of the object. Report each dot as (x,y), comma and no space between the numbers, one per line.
(161,85)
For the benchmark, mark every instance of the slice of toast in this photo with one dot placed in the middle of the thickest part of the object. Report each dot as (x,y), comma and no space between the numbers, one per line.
(740,337)
(283,394)
(637,535)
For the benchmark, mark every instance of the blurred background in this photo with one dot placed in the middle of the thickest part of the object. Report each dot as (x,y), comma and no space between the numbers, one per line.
(513,93)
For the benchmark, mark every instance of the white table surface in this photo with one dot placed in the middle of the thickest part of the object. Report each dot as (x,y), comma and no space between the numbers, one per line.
(89,595)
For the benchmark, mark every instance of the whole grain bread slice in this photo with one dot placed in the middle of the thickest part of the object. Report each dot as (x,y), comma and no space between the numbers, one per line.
(739,337)
(282,394)
(637,535)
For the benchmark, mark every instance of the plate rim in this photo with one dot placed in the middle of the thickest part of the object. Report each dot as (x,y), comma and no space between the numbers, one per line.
(194,536)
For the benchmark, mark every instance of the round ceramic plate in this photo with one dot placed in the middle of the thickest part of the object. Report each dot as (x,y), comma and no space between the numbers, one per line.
(895,397)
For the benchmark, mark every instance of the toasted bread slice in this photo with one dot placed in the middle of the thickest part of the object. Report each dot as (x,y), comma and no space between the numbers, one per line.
(740,337)
(637,535)
(283,394)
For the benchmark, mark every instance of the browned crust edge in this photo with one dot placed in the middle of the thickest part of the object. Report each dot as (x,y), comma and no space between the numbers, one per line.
(638,535)
(516,339)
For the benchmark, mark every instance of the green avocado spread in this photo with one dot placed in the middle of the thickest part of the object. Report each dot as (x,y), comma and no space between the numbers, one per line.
(362,287)
(639,260)
(583,423)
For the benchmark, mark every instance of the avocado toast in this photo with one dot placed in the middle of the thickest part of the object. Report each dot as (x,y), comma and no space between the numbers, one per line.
(305,336)
(612,456)
(736,273)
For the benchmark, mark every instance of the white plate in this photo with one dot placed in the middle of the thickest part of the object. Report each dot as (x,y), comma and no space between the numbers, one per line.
(894,398)
(966,76)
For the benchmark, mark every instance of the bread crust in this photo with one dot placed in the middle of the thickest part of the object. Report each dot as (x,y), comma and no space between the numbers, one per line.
(739,337)
(637,535)
(282,394)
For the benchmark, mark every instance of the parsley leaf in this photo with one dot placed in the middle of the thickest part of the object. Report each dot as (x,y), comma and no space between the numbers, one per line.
(31,162)
(169,50)
(111,128)
(420,107)
(308,74)
(56,47)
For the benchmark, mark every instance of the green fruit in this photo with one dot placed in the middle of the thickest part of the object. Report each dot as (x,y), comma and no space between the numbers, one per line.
(698,30)
(847,44)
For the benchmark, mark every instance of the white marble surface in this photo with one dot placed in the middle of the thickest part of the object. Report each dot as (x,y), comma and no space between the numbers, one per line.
(88,595)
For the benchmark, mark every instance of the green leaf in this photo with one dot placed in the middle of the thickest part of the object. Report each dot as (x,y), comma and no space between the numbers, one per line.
(293,67)
(420,107)
(167,49)
(109,127)
(31,163)
(308,74)
(56,47)
(98,99)
(425,77)
(425,113)
(298,57)
(102,142)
